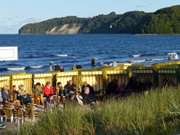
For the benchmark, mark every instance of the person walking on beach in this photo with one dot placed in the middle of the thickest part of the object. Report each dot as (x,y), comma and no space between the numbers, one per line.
(51,66)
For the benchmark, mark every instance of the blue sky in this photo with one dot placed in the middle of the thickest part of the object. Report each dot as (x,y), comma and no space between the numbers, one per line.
(15,13)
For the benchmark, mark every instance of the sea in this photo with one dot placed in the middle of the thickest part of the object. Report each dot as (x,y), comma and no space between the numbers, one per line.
(36,52)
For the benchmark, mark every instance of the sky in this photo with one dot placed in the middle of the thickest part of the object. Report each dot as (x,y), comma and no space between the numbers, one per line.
(16,13)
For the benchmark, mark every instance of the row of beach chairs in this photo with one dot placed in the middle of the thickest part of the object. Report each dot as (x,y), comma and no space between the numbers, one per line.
(19,114)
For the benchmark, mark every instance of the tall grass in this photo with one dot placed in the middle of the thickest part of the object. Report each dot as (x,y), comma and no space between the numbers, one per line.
(153,113)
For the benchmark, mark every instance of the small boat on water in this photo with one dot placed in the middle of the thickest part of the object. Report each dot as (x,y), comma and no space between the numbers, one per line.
(16,68)
(35,66)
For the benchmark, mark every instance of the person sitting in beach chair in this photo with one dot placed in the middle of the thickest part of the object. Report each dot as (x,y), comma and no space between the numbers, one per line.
(69,89)
(14,92)
(27,99)
(92,92)
(51,66)
(60,92)
(37,94)
(89,98)
(48,92)
(21,94)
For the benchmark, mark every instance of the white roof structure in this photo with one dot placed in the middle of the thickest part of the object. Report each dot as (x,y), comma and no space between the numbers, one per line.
(8,53)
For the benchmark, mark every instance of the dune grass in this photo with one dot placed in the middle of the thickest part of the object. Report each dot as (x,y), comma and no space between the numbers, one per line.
(153,113)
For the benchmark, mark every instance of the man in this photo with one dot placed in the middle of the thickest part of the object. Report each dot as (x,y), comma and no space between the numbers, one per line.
(27,99)
(70,89)
(60,92)
(14,92)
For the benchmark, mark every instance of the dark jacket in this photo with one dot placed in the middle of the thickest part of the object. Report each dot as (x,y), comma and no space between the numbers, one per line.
(89,99)
(69,90)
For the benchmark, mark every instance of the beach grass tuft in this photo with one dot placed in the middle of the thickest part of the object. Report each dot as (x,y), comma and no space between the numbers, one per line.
(154,113)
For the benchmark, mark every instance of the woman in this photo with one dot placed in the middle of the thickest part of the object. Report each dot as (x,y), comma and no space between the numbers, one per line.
(48,92)
(88,97)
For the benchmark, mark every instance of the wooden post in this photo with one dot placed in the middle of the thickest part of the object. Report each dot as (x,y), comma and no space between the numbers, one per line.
(155,78)
(104,81)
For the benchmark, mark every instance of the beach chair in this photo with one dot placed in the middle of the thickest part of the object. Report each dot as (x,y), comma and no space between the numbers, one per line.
(8,112)
(1,114)
(19,115)
(28,111)
(37,109)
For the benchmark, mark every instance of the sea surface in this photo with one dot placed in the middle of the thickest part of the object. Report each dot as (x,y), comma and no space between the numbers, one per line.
(37,51)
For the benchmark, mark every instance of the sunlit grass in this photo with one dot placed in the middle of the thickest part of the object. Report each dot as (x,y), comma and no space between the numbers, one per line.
(153,113)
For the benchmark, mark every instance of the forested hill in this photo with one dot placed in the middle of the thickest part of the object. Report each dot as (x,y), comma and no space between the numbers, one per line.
(166,20)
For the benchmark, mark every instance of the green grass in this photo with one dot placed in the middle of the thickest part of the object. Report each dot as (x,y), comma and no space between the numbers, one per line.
(153,113)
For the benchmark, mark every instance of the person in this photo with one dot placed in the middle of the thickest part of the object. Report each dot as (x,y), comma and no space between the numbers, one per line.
(51,66)
(21,94)
(90,87)
(93,62)
(37,92)
(76,67)
(27,99)
(57,67)
(60,92)
(5,94)
(48,92)
(88,97)
(59,89)
(61,68)
(69,89)
(14,92)
(79,98)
